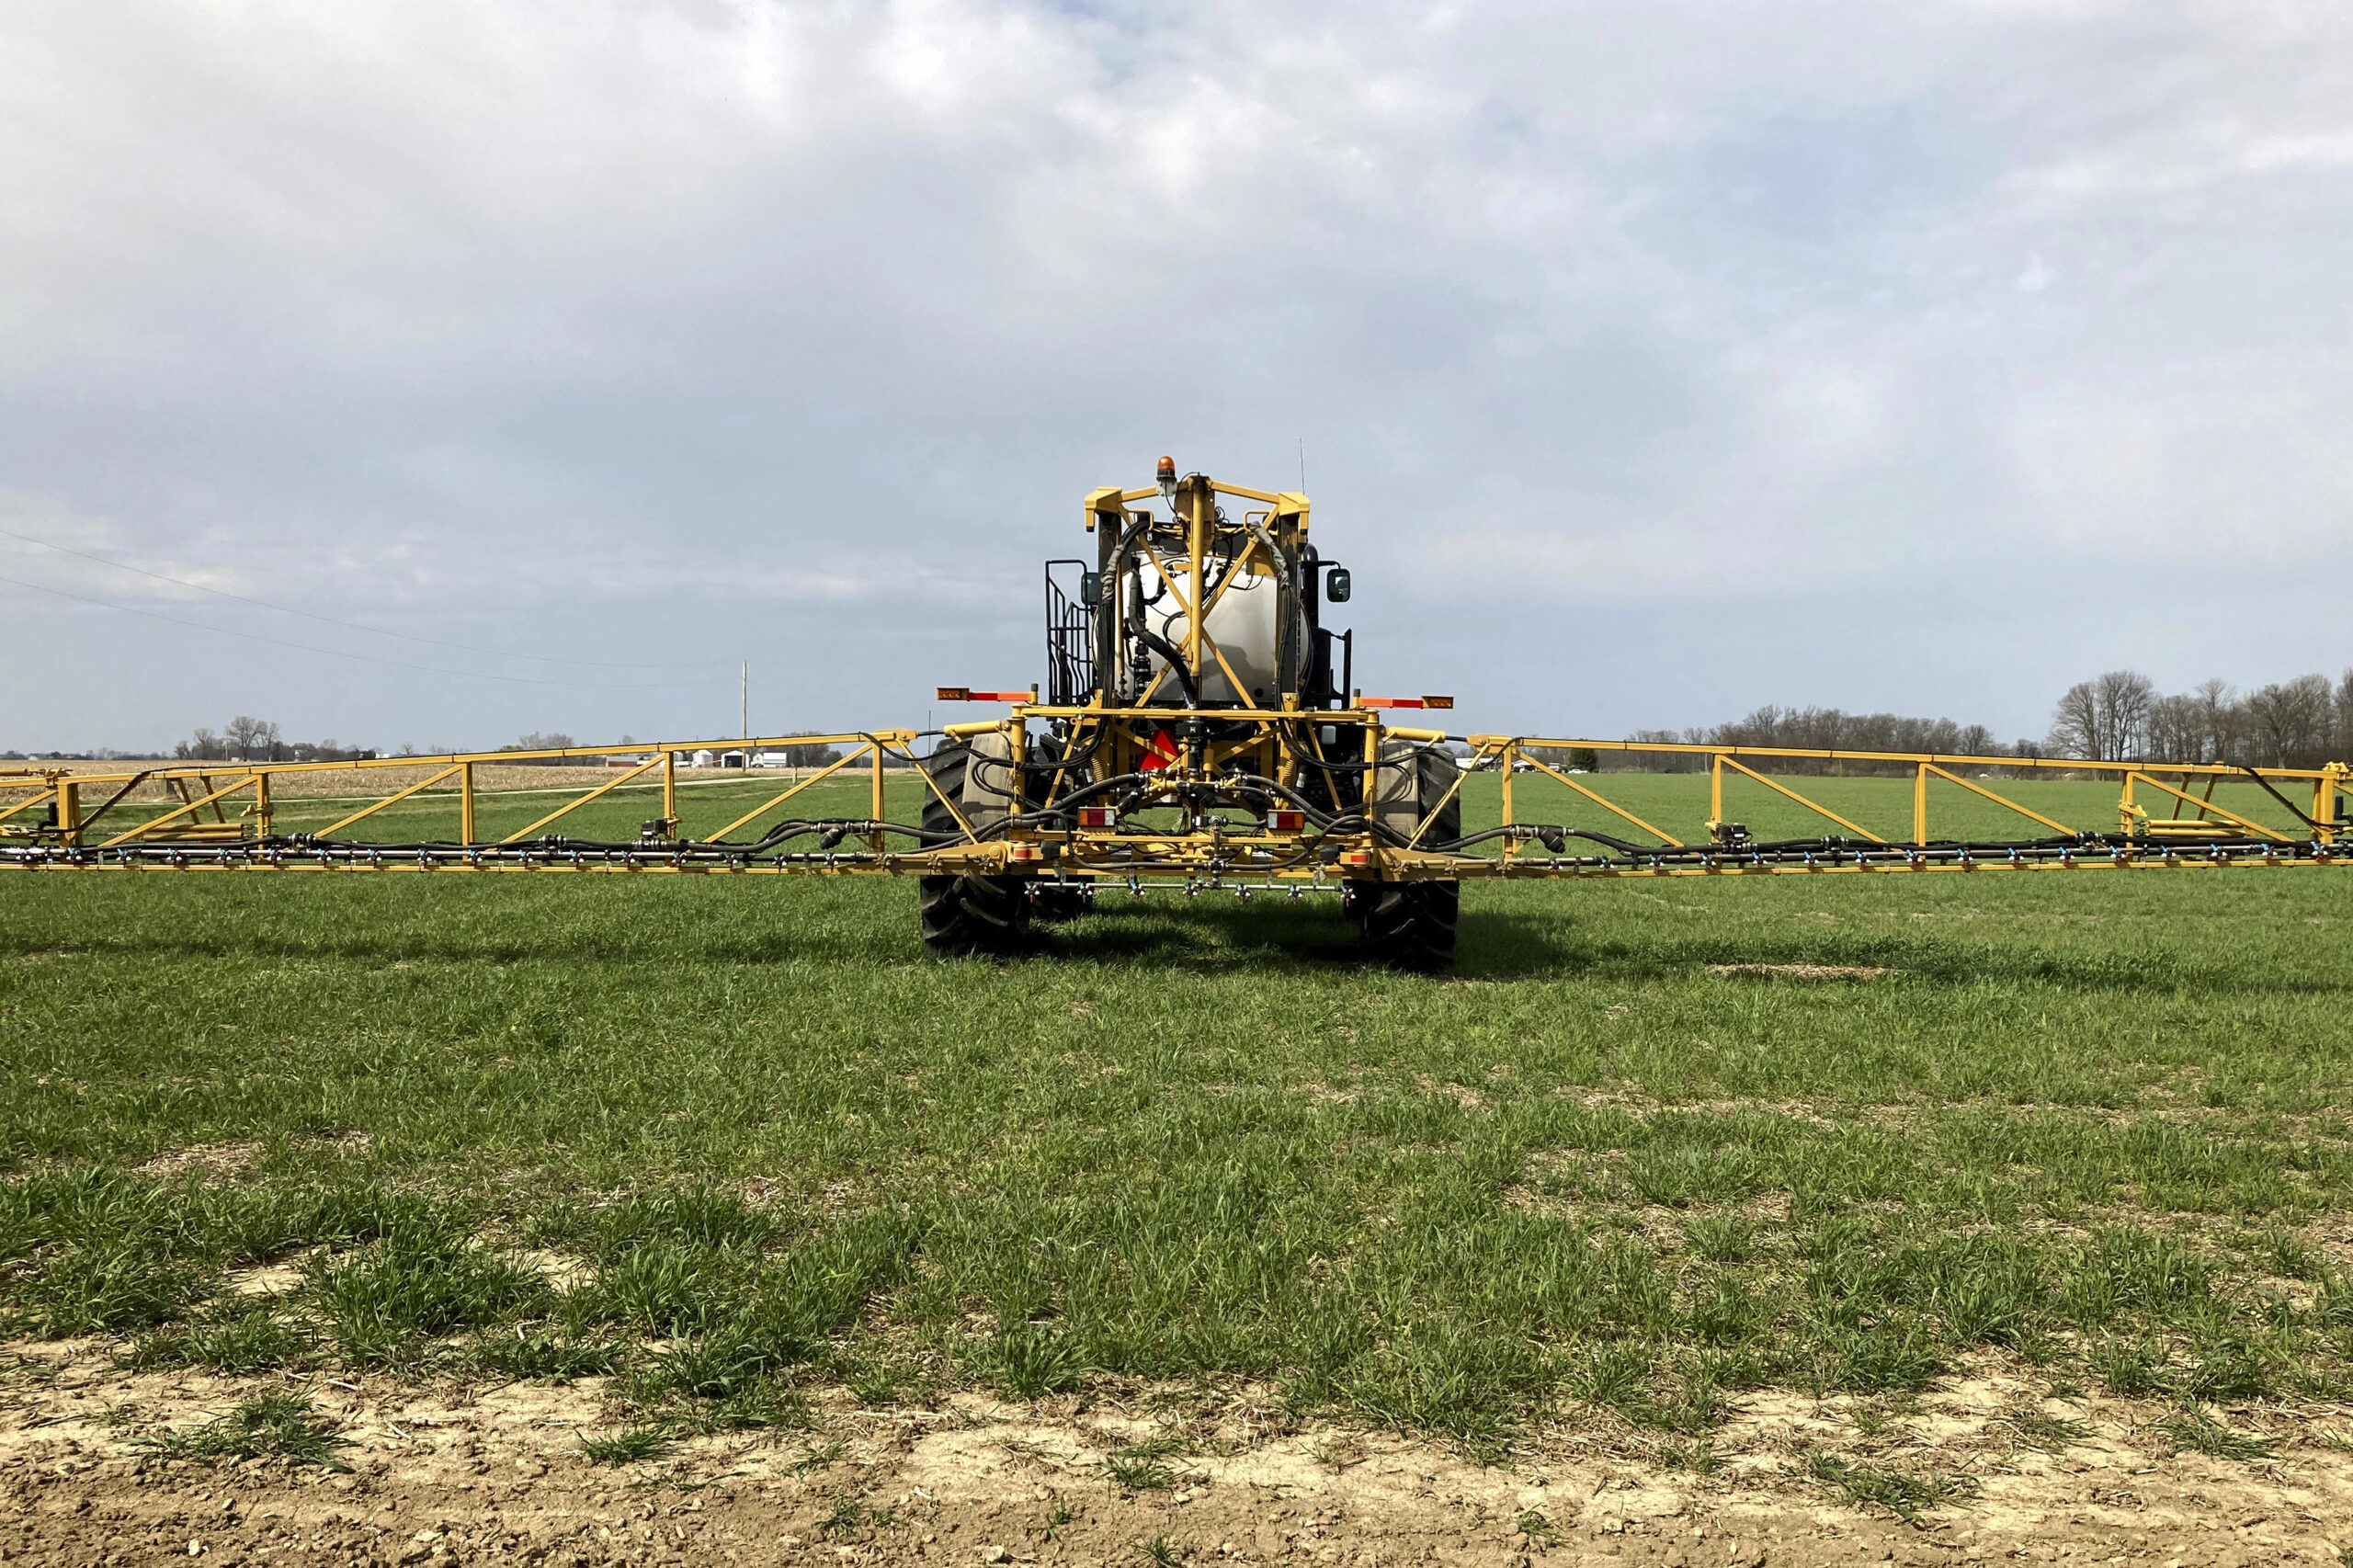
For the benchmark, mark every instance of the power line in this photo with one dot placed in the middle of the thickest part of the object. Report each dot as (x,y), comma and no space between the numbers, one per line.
(339,653)
(331,620)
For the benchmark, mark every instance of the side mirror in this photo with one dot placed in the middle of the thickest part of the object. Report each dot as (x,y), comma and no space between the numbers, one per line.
(1090,588)
(1335,586)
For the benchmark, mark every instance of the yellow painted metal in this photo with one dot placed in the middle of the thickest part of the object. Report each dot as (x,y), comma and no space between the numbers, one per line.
(153,823)
(1510,759)
(1196,549)
(466,801)
(571,806)
(1260,740)
(767,806)
(122,791)
(955,808)
(1908,759)
(1724,761)
(1604,802)
(990,857)
(69,810)
(2138,777)
(1922,822)
(390,800)
(46,793)
(1429,816)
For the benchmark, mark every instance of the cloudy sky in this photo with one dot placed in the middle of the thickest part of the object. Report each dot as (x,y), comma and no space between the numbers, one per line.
(1652,360)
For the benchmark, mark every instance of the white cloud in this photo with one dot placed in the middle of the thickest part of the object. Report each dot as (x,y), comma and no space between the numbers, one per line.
(801,328)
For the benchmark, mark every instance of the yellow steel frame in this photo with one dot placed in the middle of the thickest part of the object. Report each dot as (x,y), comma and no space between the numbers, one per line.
(1274,857)
(2327,783)
(1126,739)
(180,824)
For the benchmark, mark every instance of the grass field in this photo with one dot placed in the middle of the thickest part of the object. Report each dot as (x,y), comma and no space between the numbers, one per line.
(726,1137)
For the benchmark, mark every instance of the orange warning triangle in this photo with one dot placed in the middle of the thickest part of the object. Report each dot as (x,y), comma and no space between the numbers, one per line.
(1161,753)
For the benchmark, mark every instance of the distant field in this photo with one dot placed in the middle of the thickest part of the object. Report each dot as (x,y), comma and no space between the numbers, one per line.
(1654,1147)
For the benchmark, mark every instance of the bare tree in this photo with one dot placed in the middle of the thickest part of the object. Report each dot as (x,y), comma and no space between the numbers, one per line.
(2178,729)
(203,746)
(807,756)
(2125,698)
(554,740)
(246,735)
(2074,722)
(2293,720)
(2105,720)
(2225,722)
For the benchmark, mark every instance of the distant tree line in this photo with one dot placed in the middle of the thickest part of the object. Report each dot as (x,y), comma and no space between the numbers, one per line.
(802,754)
(247,739)
(2120,716)
(2117,717)
(554,740)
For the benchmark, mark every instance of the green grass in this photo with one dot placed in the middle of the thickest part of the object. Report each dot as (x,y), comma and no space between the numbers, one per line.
(271,1425)
(2050,1434)
(626,1447)
(729,1138)
(1143,1467)
(2194,1430)
(1902,1492)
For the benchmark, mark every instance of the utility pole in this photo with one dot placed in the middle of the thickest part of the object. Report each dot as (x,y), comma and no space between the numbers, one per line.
(747,715)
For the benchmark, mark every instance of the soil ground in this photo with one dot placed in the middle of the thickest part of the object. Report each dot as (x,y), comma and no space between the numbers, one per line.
(447,1475)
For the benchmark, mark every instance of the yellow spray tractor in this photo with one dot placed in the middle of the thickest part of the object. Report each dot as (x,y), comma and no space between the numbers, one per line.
(1199,731)
(1197,726)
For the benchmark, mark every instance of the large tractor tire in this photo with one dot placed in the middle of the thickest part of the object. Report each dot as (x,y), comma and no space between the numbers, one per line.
(1052,903)
(1411,924)
(967,913)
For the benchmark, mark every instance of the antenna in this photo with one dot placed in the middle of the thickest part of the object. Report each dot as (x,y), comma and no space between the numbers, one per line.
(1303,465)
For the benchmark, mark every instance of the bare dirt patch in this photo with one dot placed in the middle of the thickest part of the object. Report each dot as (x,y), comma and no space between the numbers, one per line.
(1803,971)
(210,1163)
(447,1475)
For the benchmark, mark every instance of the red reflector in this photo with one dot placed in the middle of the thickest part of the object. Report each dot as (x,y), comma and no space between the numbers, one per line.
(1390,702)
(1356,857)
(966,694)
(1024,852)
(1286,821)
(1095,816)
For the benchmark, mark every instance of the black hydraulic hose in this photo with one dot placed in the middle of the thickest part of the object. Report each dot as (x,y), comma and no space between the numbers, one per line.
(1551,837)
(1167,651)
(2259,779)
(1066,762)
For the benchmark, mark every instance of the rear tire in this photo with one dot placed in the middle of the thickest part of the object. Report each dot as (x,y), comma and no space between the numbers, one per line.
(1061,901)
(1411,926)
(966,914)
